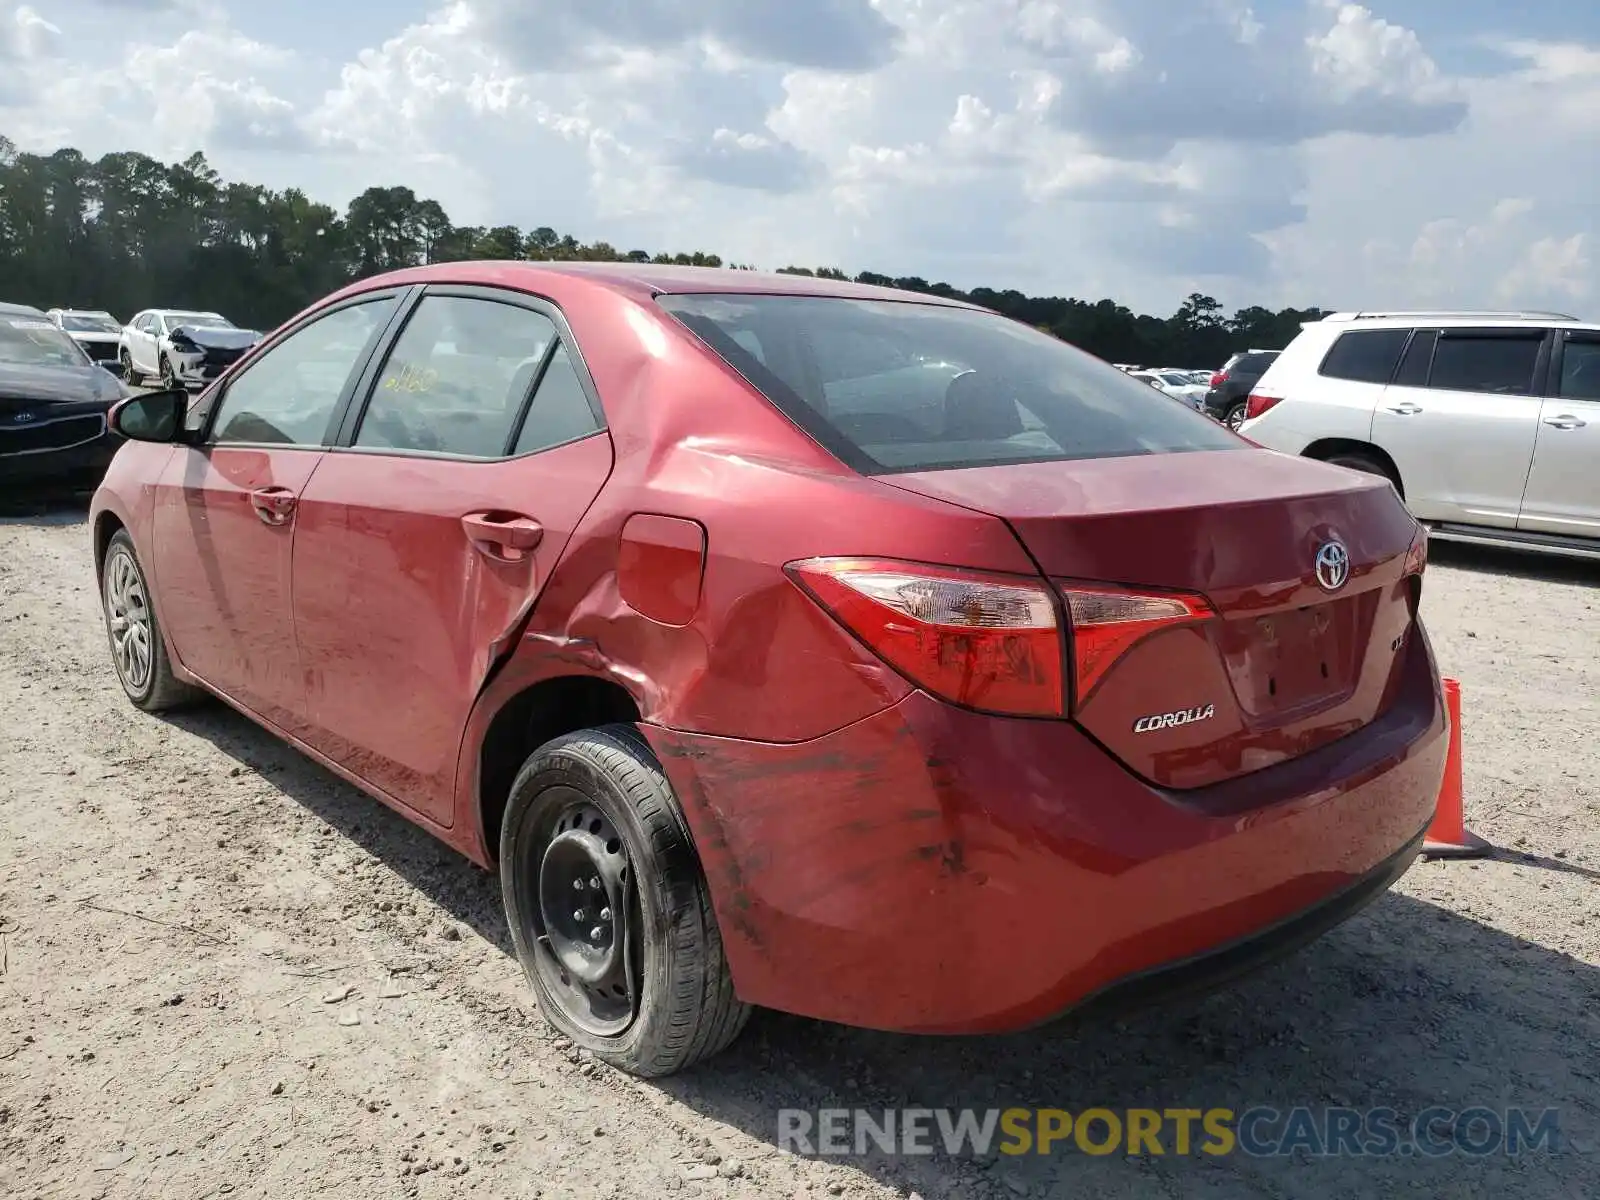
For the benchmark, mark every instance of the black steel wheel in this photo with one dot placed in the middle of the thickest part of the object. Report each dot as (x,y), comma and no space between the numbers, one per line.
(608,908)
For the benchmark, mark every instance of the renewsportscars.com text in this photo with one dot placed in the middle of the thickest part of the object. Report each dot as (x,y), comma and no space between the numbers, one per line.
(1259,1131)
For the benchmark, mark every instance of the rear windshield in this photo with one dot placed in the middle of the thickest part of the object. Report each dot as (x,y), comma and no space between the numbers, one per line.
(901,386)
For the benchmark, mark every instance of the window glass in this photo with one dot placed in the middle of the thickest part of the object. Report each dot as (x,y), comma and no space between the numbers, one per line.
(1485,363)
(560,410)
(1418,360)
(897,385)
(456,378)
(288,394)
(1580,371)
(1368,356)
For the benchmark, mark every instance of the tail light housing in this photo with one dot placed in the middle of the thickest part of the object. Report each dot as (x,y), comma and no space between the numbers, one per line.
(1218,379)
(1257,403)
(1416,564)
(1108,622)
(985,641)
(988,641)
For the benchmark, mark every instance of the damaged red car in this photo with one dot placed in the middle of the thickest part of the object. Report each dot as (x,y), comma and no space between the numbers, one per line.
(792,643)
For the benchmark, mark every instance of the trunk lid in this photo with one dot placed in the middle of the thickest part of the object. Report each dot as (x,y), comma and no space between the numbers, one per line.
(1286,664)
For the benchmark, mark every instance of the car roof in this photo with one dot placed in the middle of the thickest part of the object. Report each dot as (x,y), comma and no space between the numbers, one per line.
(20,310)
(644,280)
(1449,319)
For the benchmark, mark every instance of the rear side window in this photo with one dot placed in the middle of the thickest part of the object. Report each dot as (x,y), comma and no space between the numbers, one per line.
(1368,356)
(903,386)
(1496,363)
(455,381)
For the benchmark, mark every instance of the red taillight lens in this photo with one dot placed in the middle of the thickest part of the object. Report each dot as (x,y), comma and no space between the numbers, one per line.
(1256,403)
(986,641)
(1107,623)
(1220,378)
(1417,556)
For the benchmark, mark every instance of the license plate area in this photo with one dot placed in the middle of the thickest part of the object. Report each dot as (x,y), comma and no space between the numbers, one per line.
(1286,662)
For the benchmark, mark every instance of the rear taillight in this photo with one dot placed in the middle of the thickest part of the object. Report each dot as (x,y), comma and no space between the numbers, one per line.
(1220,378)
(985,641)
(1257,403)
(1107,623)
(1417,556)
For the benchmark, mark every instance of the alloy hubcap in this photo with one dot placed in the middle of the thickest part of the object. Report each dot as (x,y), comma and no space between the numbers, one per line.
(588,920)
(128,620)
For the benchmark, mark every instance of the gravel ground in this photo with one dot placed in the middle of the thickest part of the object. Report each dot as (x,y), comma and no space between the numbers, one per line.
(223,972)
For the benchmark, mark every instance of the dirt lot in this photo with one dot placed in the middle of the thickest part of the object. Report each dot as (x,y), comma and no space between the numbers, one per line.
(182,903)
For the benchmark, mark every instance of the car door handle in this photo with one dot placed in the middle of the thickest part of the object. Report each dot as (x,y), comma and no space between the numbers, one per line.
(1406,409)
(505,536)
(1566,421)
(274,505)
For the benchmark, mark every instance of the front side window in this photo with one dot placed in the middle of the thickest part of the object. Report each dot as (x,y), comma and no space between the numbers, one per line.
(1366,356)
(904,386)
(1485,362)
(456,379)
(1580,370)
(288,395)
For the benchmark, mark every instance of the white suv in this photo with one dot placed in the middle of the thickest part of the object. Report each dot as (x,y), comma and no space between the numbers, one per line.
(1487,423)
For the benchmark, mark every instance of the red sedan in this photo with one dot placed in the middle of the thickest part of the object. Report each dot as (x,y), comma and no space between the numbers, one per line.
(788,642)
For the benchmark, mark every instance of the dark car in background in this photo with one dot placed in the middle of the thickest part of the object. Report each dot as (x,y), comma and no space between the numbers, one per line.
(53,403)
(1230,387)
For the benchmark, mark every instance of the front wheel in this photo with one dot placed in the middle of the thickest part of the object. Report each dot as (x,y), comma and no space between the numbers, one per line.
(137,649)
(609,910)
(169,377)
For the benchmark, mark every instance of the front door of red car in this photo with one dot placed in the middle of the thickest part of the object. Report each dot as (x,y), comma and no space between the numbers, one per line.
(423,544)
(226,510)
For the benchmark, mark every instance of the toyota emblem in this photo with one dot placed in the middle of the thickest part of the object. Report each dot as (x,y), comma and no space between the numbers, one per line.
(22,416)
(1332,566)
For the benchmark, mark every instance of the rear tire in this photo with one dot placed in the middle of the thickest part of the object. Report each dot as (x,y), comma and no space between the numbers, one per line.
(1356,461)
(138,650)
(130,376)
(1234,416)
(609,910)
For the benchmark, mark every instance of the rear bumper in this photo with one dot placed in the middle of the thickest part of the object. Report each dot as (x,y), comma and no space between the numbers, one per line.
(932,870)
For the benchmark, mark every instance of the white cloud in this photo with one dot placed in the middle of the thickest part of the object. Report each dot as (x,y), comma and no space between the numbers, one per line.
(1299,153)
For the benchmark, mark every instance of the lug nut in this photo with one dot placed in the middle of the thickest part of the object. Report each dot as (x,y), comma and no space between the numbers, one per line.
(594,884)
(577,885)
(595,934)
(578,915)
(605,914)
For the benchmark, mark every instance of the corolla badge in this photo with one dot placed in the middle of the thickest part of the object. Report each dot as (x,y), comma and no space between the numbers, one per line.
(1171,720)
(1332,566)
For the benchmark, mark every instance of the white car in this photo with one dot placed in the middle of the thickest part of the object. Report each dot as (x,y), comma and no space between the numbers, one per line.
(181,347)
(97,331)
(1487,423)
(1175,384)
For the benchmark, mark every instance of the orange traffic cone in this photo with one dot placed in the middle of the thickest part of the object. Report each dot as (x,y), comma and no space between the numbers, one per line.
(1448,836)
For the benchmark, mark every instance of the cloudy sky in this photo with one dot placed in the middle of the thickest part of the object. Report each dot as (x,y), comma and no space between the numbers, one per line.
(1405,152)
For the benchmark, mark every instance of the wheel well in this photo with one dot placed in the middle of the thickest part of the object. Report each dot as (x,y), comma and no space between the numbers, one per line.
(1332,447)
(529,720)
(105,528)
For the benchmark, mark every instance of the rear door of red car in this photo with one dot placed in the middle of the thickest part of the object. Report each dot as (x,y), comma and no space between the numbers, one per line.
(426,536)
(225,511)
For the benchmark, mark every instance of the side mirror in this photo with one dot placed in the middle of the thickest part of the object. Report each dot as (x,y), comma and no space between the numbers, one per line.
(152,416)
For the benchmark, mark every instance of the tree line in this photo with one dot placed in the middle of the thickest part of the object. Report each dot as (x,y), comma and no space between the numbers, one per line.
(127,231)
